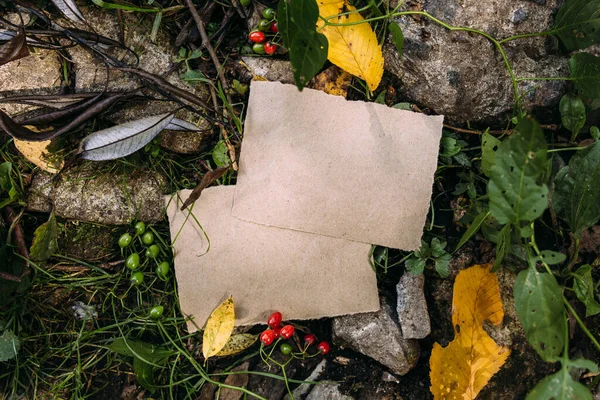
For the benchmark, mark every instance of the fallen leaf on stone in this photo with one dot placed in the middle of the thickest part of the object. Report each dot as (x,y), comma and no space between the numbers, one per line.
(237,343)
(37,153)
(14,49)
(334,81)
(218,328)
(124,139)
(354,48)
(465,366)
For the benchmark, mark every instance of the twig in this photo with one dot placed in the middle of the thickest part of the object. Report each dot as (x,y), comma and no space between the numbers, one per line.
(207,179)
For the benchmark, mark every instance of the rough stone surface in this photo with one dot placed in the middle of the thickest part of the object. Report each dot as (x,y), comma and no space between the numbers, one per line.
(240,380)
(102,198)
(38,193)
(378,335)
(327,392)
(270,69)
(412,307)
(305,387)
(461,75)
(87,242)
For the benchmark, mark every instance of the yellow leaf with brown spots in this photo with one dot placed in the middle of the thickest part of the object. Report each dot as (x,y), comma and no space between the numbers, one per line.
(237,343)
(352,47)
(465,366)
(334,81)
(219,328)
(38,154)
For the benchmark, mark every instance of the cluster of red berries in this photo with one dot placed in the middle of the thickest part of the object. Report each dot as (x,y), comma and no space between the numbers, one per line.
(258,36)
(275,331)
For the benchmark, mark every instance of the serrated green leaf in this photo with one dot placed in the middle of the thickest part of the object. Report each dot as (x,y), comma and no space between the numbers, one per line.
(473,229)
(45,241)
(538,302)
(514,189)
(583,286)
(576,197)
(442,265)
(572,114)
(449,147)
(398,37)
(585,72)
(577,23)
(438,247)
(9,345)
(297,21)
(415,266)
(489,147)
(559,386)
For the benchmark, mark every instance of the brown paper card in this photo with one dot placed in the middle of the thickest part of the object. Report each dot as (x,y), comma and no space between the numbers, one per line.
(317,163)
(302,275)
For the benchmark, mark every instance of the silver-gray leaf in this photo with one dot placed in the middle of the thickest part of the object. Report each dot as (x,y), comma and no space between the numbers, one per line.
(124,139)
(70,10)
(181,125)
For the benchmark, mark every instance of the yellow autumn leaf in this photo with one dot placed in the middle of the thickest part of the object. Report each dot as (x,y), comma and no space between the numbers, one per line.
(334,81)
(218,328)
(465,366)
(237,343)
(354,48)
(38,154)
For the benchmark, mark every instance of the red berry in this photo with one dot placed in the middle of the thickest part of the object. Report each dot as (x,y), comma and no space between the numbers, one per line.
(274,320)
(267,337)
(310,339)
(287,331)
(274,28)
(270,48)
(323,347)
(277,331)
(257,36)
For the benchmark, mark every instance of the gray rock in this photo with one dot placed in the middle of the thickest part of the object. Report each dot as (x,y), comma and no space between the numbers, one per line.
(412,307)
(38,193)
(270,69)
(101,198)
(305,387)
(378,335)
(84,241)
(462,75)
(327,392)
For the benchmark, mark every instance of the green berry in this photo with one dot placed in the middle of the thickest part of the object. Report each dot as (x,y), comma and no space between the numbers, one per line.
(162,270)
(285,348)
(137,278)
(125,240)
(152,251)
(156,312)
(264,25)
(258,48)
(133,261)
(148,238)
(140,228)
(245,3)
(269,14)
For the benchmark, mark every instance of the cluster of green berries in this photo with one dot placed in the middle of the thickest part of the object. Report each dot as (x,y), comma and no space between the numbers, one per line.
(258,36)
(152,253)
(276,331)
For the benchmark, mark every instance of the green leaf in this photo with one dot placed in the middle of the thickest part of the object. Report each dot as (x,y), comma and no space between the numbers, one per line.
(538,302)
(572,114)
(449,147)
(576,197)
(297,21)
(515,191)
(585,72)
(552,257)
(502,245)
(595,132)
(220,155)
(583,286)
(473,229)
(559,386)
(582,363)
(489,147)
(577,23)
(402,106)
(438,247)
(5,180)
(415,266)
(9,345)
(442,265)
(144,373)
(149,353)
(44,241)
(398,37)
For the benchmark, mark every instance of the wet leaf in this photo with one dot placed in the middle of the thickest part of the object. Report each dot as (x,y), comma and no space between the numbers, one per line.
(354,48)
(465,366)
(124,139)
(237,343)
(14,49)
(398,37)
(572,114)
(37,153)
(69,10)
(218,328)
(576,196)
(9,345)
(583,286)
(515,191)
(538,301)
(585,72)
(45,241)
(577,23)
